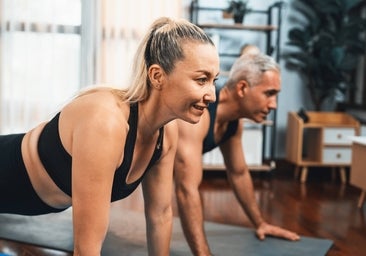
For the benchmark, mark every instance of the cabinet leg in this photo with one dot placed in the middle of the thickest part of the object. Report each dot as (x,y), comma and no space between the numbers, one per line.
(342,172)
(333,173)
(361,199)
(304,174)
(296,172)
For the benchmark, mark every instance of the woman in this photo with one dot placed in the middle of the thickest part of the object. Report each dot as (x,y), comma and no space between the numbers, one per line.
(105,142)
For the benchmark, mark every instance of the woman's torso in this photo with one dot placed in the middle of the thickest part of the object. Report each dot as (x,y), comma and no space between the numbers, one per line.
(70,117)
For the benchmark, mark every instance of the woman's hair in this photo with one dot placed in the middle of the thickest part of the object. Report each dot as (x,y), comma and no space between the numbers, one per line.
(250,67)
(162,45)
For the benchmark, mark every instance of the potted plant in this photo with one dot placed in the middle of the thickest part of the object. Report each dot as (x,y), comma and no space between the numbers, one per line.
(326,45)
(237,10)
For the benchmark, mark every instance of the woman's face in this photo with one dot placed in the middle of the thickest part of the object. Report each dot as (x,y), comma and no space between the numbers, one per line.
(190,87)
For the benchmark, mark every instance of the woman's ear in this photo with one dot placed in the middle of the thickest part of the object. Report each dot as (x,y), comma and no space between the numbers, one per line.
(242,88)
(156,76)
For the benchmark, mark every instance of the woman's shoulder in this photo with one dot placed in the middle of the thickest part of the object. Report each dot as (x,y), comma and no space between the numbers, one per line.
(171,127)
(100,99)
(171,134)
(100,107)
(99,93)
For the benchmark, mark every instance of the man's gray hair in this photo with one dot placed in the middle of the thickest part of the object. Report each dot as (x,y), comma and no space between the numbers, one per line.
(250,67)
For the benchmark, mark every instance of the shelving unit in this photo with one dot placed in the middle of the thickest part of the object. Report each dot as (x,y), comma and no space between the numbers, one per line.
(239,27)
(272,31)
(323,141)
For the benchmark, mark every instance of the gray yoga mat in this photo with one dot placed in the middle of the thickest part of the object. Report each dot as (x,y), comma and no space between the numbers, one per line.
(55,231)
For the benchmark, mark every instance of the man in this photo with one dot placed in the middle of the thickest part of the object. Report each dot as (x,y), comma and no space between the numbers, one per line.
(250,92)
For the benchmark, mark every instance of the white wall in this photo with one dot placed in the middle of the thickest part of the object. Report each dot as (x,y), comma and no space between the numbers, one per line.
(293,96)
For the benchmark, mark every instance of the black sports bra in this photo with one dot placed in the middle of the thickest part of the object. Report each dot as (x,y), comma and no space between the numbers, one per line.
(57,161)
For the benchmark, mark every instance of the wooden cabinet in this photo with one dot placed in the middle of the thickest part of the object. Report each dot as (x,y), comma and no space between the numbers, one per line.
(358,169)
(322,141)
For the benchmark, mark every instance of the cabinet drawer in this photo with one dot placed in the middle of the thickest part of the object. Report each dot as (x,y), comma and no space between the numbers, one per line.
(339,136)
(337,155)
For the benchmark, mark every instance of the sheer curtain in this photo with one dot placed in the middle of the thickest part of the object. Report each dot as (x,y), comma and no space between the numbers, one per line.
(49,49)
(123,23)
(40,59)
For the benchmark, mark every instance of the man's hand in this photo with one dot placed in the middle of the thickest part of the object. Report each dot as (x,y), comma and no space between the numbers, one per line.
(267,229)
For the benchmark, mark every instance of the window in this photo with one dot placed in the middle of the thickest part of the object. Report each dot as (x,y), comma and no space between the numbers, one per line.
(40,59)
(51,48)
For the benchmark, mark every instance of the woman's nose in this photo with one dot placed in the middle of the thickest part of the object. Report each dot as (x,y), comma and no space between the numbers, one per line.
(210,96)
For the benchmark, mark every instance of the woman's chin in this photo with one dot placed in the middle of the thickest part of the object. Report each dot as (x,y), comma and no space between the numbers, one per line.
(192,119)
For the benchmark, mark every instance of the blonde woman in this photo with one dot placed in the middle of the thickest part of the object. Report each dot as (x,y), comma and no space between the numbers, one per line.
(106,141)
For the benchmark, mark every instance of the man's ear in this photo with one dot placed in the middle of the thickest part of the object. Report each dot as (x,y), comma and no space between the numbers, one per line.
(242,88)
(156,76)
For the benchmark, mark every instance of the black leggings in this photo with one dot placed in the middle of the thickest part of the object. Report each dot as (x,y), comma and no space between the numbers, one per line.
(17,195)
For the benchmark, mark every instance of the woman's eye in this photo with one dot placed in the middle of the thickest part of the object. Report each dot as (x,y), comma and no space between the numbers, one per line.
(202,80)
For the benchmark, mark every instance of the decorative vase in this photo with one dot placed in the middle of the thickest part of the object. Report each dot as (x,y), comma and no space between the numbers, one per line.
(239,17)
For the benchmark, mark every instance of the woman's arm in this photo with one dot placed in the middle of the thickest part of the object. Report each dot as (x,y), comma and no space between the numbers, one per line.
(157,189)
(97,148)
(188,175)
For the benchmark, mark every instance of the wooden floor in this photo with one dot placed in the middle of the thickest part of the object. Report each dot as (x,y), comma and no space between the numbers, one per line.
(322,208)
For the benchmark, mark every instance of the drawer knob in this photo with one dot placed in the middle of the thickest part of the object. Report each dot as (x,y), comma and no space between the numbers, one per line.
(339,136)
(339,155)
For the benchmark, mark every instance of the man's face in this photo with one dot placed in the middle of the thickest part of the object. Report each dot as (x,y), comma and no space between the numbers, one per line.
(260,99)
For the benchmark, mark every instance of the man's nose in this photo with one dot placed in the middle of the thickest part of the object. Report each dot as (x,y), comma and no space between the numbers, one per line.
(273,103)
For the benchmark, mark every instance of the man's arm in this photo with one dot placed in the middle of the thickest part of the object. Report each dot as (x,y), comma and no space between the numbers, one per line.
(188,176)
(241,181)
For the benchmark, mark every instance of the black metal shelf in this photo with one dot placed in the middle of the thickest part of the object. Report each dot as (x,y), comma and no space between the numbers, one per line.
(273,49)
